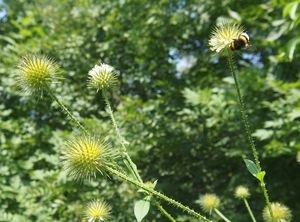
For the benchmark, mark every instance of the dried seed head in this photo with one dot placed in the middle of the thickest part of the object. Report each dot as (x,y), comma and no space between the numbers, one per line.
(85,156)
(242,192)
(102,77)
(97,210)
(37,72)
(281,213)
(222,36)
(209,202)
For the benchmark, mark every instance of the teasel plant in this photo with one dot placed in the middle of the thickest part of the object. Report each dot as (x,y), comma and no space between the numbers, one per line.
(227,39)
(87,156)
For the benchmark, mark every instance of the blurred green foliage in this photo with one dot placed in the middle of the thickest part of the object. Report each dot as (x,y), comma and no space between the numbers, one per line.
(176,103)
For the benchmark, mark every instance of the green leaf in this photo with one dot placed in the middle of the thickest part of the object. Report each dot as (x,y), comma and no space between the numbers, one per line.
(233,14)
(292,47)
(291,9)
(141,209)
(252,168)
(263,134)
(260,176)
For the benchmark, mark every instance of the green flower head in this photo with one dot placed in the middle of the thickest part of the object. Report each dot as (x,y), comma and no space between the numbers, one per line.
(281,213)
(37,73)
(85,156)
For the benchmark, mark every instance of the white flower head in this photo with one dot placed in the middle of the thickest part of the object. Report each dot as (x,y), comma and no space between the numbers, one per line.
(209,202)
(97,210)
(102,77)
(242,192)
(223,35)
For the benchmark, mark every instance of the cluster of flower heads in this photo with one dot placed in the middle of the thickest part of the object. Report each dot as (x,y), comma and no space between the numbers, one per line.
(84,156)
(38,72)
(281,213)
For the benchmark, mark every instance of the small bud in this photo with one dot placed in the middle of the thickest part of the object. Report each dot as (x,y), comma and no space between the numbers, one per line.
(37,72)
(280,213)
(241,192)
(209,202)
(97,210)
(102,77)
(222,36)
(85,156)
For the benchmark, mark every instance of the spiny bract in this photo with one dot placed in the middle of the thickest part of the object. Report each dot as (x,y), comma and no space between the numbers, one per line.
(102,77)
(281,213)
(37,73)
(209,202)
(97,210)
(85,156)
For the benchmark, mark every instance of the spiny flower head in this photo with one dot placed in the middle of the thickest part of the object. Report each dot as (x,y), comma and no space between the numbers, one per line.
(37,72)
(102,77)
(85,156)
(281,213)
(242,192)
(222,36)
(97,210)
(209,202)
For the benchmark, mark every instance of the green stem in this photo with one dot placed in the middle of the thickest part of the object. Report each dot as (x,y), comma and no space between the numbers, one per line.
(65,110)
(221,215)
(158,195)
(131,165)
(247,128)
(249,210)
(164,212)
(128,162)
(243,110)
(265,192)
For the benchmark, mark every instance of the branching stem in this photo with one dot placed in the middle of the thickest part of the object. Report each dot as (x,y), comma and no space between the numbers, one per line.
(66,111)
(158,194)
(127,160)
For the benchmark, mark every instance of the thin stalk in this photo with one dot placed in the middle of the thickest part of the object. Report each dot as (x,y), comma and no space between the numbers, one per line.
(66,111)
(247,128)
(249,210)
(243,110)
(221,215)
(131,165)
(128,162)
(158,194)
(164,212)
